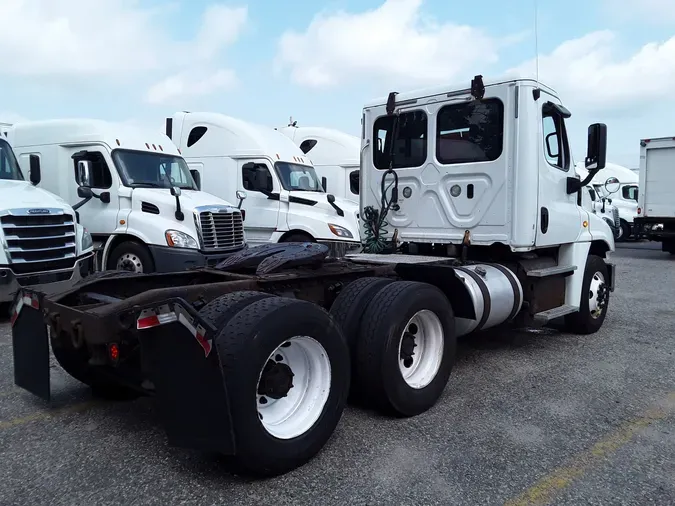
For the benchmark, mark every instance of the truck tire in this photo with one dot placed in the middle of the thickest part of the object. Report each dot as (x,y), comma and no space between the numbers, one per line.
(131,256)
(594,296)
(403,316)
(221,310)
(261,344)
(75,363)
(347,312)
(624,234)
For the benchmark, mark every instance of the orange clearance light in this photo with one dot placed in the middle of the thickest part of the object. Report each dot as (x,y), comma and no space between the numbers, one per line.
(118,142)
(585,224)
(153,147)
(122,222)
(114,352)
(160,147)
(147,145)
(278,157)
(179,151)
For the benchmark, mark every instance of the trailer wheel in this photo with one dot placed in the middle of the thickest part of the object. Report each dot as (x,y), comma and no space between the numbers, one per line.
(75,363)
(286,367)
(131,256)
(221,310)
(594,299)
(406,347)
(348,308)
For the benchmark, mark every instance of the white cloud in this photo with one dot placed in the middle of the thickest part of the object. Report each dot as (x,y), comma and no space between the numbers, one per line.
(393,42)
(587,71)
(187,84)
(655,11)
(113,38)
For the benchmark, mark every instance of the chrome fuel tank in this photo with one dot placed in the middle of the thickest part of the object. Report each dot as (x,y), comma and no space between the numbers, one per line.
(496,294)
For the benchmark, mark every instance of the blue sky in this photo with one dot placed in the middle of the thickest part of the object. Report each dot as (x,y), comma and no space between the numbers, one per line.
(141,60)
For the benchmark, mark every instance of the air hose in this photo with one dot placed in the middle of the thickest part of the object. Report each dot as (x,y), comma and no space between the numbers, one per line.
(375,223)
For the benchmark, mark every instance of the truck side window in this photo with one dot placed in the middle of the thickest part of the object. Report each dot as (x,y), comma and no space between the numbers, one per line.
(256,178)
(410,145)
(556,147)
(99,175)
(307,145)
(629,192)
(470,132)
(354,182)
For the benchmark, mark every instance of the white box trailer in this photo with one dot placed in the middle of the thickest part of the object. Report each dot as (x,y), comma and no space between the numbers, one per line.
(656,201)
(334,154)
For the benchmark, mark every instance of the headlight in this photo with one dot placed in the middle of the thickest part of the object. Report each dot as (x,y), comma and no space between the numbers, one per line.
(340,231)
(177,239)
(87,241)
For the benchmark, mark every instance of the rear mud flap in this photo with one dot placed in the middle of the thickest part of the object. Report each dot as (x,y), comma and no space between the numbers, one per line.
(30,345)
(189,385)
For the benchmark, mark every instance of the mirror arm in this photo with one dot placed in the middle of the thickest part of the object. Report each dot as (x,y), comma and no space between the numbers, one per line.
(81,203)
(574,184)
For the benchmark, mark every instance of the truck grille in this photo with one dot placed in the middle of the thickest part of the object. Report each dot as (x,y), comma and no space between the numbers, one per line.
(220,229)
(39,240)
(615,215)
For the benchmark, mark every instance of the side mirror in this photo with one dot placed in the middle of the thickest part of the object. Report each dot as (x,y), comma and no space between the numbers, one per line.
(35,174)
(83,171)
(104,197)
(331,198)
(84,192)
(550,152)
(612,185)
(175,191)
(596,154)
(197,177)
(241,195)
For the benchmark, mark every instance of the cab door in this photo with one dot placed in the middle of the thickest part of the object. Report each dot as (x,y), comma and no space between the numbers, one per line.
(92,167)
(262,203)
(560,218)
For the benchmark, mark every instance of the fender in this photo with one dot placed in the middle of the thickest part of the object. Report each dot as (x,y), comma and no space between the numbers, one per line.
(112,239)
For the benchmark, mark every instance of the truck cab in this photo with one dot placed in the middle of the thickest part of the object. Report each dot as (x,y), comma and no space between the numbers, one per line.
(624,199)
(134,193)
(334,154)
(285,201)
(486,170)
(41,244)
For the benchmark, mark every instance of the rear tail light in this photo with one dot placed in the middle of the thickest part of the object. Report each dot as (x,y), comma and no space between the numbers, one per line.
(639,210)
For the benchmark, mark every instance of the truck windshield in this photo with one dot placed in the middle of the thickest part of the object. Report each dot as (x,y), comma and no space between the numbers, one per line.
(152,170)
(295,177)
(9,167)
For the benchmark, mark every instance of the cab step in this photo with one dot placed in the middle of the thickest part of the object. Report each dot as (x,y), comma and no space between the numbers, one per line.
(556,270)
(545,317)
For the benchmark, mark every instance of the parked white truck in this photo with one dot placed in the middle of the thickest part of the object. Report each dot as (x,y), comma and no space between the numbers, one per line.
(285,200)
(41,244)
(656,201)
(597,199)
(141,203)
(334,154)
(625,198)
(256,359)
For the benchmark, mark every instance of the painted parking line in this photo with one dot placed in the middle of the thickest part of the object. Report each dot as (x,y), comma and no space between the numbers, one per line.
(48,414)
(545,490)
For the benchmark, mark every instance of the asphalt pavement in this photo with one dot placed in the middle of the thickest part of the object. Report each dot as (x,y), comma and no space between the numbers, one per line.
(527,418)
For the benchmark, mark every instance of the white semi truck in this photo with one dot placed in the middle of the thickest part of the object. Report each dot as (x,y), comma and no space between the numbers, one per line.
(41,244)
(133,192)
(472,215)
(624,199)
(656,202)
(285,200)
(334,154)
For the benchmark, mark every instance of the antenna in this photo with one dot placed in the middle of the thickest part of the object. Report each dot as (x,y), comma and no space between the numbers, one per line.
(536,39)
(292,123)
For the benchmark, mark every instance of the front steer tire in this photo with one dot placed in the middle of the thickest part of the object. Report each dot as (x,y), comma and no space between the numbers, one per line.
(380,338)
(245,346)
(583,322)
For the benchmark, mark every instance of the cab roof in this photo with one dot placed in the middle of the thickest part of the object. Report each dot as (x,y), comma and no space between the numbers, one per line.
(456,88)
(332,147)
(86,131)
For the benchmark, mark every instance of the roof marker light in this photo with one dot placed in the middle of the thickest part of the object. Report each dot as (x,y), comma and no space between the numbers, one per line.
(160,147)
(154,147)
(118,142)
(147,145)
